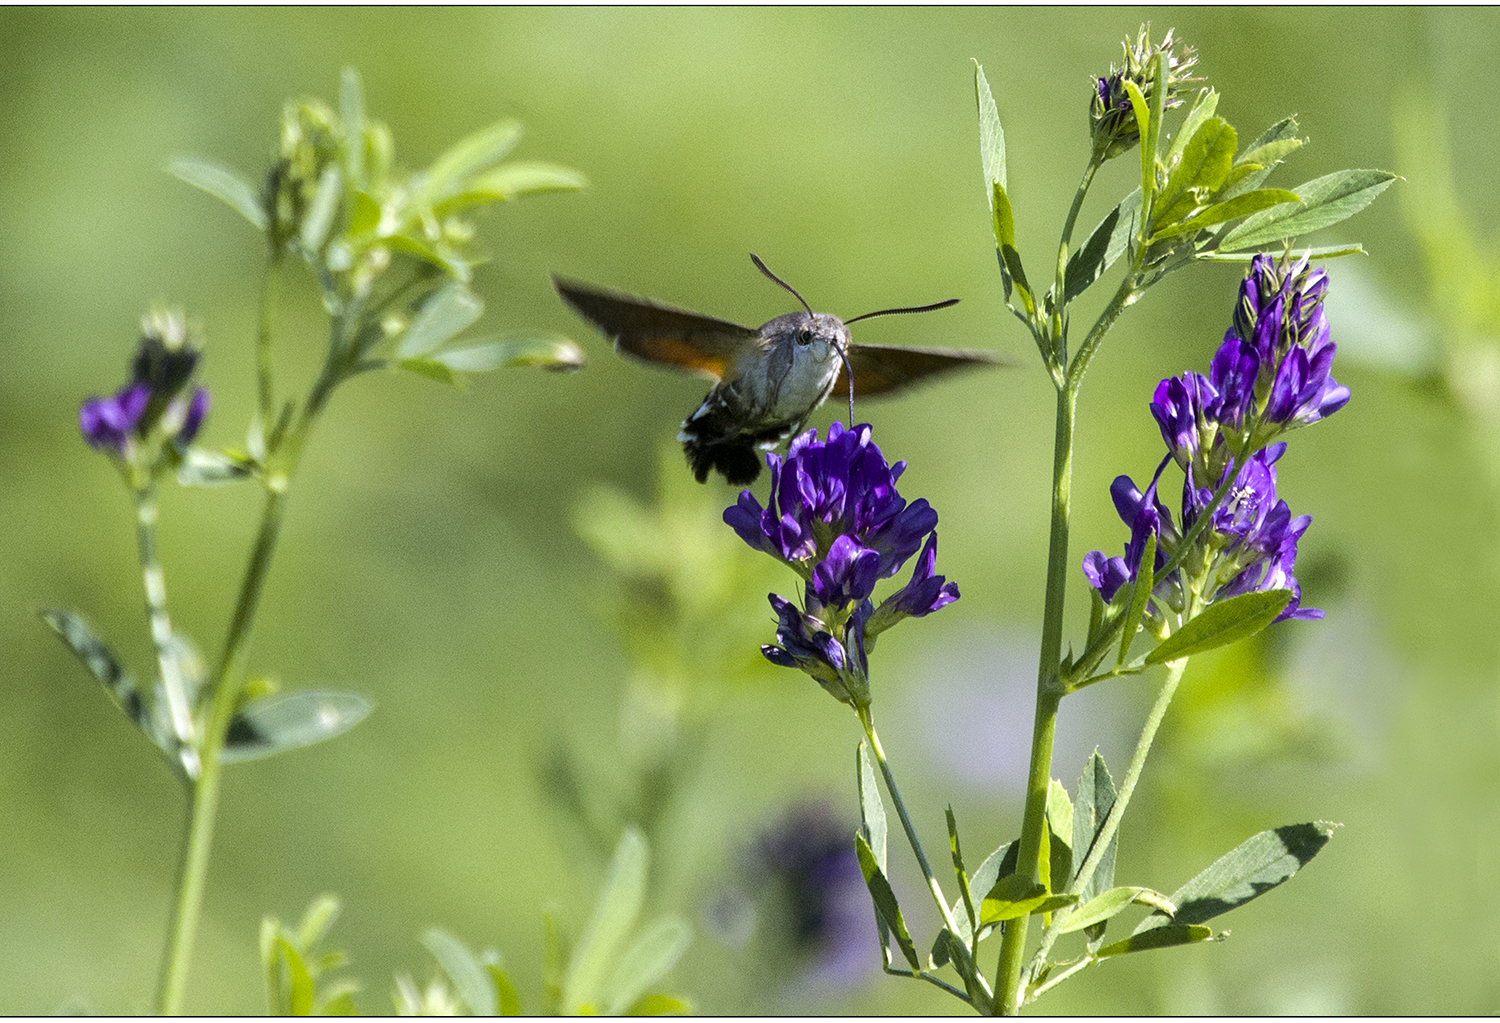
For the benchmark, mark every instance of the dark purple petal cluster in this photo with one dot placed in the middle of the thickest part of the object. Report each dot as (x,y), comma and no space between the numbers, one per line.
(1271,373)
(157,394)
(835,516)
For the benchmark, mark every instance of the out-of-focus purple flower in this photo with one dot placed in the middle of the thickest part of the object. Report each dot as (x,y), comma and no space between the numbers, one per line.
(160,370)
(835,516)
(108,423)
(807,861)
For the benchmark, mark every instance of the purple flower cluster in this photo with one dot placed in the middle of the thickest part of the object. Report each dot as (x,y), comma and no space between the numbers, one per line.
(155,396)
(834,515)
(1270,374)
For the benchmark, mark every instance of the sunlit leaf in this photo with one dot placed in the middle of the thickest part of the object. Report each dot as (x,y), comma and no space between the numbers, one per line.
(470,980)
(1246,872)
(991,134)
(507,998)
(1107,243)
(1239,206)
(1222,622)
(223,184)
(614,914)
(885,900)
(1326,201)
(1096,797)
(451,172)
(661,1005)
(1107,905)
(447,312)
(1161,937)
(511,181)
(203,468)
(646,961)
(552,352)
(280,723)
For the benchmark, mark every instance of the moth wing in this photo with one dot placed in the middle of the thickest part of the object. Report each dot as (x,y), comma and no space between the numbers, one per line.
(657,333)
(881,369)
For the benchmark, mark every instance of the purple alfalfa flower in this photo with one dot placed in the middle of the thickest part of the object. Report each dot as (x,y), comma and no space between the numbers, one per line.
(835,516)
(925,593)
(109,423)
(825,489)
(160,372)
(1146,516)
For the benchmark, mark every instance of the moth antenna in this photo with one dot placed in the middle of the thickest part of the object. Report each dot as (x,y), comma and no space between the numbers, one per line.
(765,270)
(907,309)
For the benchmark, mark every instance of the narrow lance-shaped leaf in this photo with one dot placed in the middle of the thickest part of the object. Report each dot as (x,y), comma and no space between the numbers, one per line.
(1203,108)
(1017,896)
(223,184)
(1142,113)
(615,913)
(470,980)
(1060,835)
(1246,872)
(451,172)
(1096,797)
(1221,623)
(1239,206)
(511,181)
(352,114)
(1271,147)
(101,663)
(645,962)
(316,921)
(280,723)
(991,134)
(507,998)
(203,468)
(1109,241)
(661,1005)
(1315,252)
(552,352)
(872,829)
(956,851)
(885,900)
(1163,937)
(322,210)
(1326,201)
(1106,905)
(1205,163)
(442,316)
(1010,257)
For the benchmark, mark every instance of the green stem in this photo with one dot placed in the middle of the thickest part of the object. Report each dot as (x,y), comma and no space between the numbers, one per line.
(264,393)
(868,722)
(225,696)
(153,581)
(1059,289)
(1044,726)
(1111,823)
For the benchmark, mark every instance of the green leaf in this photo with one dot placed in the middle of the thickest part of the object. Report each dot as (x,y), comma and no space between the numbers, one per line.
(223,184)
(432,371)
(1013,273)
(1316,252)
(1246,872)
(270,930)
(341,1004)
(1060,839)
(661,1005)
(1222,622)
(871,809)
(1204,165)
(203,468)
(552,352)
(507,998)
(280,723)
(316,921)
(646,961)
(1108,904)
(470,980)
(885,900)
(101,663)
(1017,896)
(554,962)
(614,914)
(1239,206)
(321,211)
(443,315)
(352,114)
(956,851)
(511,181)
(1161,937)
(1096,797)
(451,172)
(1143,123)
(1140,596)
(1326,201)
(1203,108)
(299,996)
(1269,148)
(991,135)
(1109,241)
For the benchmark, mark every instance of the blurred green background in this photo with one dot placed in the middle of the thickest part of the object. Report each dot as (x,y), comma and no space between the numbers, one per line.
(431,559)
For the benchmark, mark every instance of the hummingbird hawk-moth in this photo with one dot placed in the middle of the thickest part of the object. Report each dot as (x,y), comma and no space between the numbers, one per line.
(767,380)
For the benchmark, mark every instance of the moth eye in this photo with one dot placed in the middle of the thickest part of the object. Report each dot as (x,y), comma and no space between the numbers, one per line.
(805,336)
